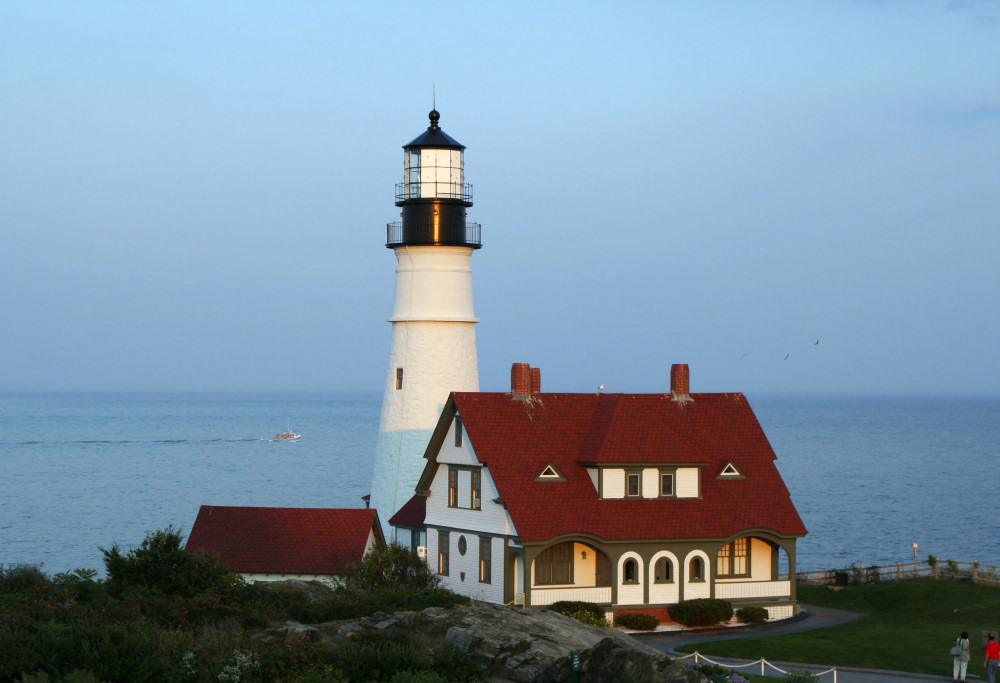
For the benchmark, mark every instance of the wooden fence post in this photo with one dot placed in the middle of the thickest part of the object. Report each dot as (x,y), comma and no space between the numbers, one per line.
(899,571)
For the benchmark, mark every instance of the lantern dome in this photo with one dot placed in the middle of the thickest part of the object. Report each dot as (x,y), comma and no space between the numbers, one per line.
(434,195)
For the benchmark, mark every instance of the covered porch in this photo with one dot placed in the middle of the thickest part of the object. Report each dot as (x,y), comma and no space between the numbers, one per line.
(569,570)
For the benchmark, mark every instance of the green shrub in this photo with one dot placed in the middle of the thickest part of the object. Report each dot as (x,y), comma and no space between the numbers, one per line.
(800,676)
(637,622)
(571,607)
(588,617)
(702,612)
(375,659)
(80,584)
(417,677)
(160,564)
(22,578)
(391,568)
(116,652)
(752,615)
(456,665)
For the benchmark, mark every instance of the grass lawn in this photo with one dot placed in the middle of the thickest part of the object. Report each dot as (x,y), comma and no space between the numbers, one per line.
(911,627)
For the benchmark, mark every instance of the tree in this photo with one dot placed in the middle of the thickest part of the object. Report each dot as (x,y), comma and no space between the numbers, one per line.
(161,565)
(391,568)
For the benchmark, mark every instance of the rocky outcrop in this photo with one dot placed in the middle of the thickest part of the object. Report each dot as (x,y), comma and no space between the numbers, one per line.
(508,644)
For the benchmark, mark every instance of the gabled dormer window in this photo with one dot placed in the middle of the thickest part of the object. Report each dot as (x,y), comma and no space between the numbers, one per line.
(730,471)
(458,431)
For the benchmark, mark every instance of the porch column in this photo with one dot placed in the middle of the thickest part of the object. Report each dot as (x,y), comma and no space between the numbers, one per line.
(529,564)
(792,580)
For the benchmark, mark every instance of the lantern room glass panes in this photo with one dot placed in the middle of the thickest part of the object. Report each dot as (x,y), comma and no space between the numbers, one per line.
(412,169)
(433,173)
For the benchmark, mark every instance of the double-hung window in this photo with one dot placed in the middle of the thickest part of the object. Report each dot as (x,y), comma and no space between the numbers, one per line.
(465,487)
(485,560)
(477,502)
(734,559)
(633,484)
(452,487)
(443,543)
(666,484)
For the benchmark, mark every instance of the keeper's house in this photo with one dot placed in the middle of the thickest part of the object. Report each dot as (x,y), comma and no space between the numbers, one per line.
(274,544)
(633,501)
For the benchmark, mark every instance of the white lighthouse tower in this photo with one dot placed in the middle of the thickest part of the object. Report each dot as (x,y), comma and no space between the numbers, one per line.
(433,348)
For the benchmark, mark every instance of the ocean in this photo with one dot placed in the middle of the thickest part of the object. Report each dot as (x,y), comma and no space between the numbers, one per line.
(870,476)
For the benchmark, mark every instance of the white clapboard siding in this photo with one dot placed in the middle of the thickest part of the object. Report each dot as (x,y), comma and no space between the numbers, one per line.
(687,482)
(463,574)
(650,483)
(491,518)
(613,485)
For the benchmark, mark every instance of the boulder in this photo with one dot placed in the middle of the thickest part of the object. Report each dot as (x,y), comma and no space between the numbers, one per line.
(513,644)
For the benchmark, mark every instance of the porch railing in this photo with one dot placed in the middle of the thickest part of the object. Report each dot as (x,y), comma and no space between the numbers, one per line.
(546,596)
(753,589)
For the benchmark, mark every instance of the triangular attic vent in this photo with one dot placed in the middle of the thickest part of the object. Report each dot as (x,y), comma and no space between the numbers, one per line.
(730,471)
(550,473)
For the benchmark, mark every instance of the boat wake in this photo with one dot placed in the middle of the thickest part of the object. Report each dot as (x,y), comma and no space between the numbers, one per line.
(126,442)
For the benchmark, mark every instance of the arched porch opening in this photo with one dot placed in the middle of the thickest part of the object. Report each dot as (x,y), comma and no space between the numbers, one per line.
(664,578)
(748,568)
(569,570)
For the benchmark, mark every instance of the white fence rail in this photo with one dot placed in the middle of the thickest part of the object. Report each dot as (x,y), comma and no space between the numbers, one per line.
(698,658)
(901,571)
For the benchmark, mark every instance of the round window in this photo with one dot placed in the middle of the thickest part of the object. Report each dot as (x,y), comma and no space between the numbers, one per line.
(462,545)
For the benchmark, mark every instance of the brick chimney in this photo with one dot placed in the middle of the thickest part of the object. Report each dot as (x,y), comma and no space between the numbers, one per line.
(525,380)
(680,384)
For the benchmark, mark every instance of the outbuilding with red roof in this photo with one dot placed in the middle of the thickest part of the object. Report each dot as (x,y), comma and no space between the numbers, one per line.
(274,544)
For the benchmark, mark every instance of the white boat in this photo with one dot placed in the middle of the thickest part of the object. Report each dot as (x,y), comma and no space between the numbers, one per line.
(287,436)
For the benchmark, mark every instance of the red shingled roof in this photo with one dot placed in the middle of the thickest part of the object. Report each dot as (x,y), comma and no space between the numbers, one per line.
(517,438)
(284,540)
(412,514)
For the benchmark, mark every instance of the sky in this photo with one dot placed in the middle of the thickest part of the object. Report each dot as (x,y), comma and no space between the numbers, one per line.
(193,195)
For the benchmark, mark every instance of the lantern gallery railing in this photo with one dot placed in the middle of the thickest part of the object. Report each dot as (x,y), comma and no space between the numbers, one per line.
(428,233)
(434,189)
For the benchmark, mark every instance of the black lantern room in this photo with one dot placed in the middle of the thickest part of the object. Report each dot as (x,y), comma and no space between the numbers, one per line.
(434,195)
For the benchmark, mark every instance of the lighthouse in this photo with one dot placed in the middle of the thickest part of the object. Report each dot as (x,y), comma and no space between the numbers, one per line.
(433,348)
